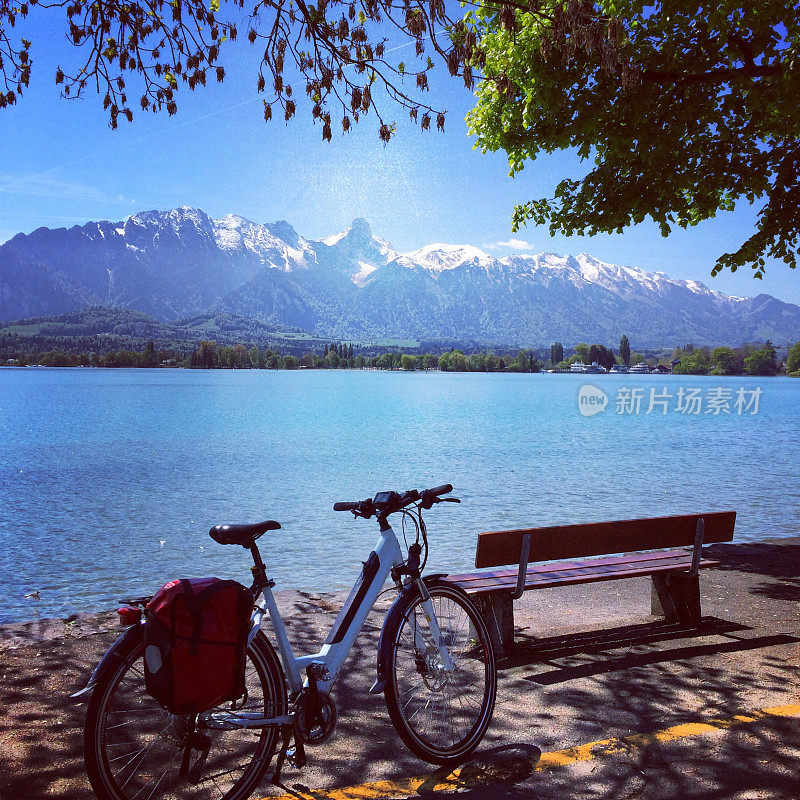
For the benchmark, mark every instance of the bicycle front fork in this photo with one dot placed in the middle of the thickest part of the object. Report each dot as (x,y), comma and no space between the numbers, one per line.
(433,626)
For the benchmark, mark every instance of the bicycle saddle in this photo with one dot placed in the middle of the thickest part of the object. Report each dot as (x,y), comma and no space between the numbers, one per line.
(244,534)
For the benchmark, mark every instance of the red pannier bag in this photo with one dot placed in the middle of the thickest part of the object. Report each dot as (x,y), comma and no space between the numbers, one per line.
(195,636)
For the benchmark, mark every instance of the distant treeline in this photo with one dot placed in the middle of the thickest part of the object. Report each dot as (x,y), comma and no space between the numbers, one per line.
(686,360)
(341,356)
(745,360)
(749,359)
(210,355)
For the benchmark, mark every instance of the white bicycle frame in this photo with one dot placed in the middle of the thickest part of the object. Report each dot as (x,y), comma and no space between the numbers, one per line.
(348,625)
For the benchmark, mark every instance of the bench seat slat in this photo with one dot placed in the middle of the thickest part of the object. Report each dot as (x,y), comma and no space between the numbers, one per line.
(555,566)
(567,573)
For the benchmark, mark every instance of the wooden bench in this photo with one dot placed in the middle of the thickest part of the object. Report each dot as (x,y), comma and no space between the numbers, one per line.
(668,549)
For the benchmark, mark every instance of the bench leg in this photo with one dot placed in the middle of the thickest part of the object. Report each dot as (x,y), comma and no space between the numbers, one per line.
(497,611)
(676,597)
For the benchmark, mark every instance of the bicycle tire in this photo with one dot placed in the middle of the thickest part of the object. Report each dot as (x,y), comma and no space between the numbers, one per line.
(108,732)
(418,689)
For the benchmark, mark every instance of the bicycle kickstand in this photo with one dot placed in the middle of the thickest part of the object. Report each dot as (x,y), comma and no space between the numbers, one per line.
(296,754)
(286,738)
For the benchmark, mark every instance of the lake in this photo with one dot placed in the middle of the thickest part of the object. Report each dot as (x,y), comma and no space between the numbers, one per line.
(110,479)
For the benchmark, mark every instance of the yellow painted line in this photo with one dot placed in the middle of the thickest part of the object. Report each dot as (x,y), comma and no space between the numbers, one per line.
(608,747)
(461,778)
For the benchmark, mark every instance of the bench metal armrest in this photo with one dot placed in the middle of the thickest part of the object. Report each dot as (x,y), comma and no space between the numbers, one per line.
(524,552)
(699,533)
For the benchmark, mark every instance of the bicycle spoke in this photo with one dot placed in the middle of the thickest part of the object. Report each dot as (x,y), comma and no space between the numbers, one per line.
(143,752)
(143,745)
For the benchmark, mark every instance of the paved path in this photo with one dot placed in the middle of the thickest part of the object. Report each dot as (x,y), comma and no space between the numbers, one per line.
(600,701)
(497,768)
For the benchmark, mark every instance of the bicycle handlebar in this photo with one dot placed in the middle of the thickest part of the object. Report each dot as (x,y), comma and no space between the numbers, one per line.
(385,503)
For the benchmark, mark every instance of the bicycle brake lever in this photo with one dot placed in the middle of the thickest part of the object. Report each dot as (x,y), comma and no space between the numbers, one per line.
(364,509)
(448,500)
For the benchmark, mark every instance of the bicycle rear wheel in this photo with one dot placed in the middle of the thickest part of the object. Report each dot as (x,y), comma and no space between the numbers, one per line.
(134,749)
(441,715)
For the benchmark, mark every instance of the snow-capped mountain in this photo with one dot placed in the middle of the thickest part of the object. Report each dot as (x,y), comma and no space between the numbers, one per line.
(276,245)
(353,285)
(439,257)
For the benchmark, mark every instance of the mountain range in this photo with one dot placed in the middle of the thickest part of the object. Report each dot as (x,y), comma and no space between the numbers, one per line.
(354,286)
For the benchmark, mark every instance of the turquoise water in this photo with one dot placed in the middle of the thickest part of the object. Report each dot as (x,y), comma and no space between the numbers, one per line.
(110,479)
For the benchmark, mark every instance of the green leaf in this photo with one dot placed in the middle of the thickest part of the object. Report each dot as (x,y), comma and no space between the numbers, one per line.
(678,141)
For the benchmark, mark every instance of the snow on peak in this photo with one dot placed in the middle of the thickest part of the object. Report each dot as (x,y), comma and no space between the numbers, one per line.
(176,219)
(234,221)
(365,270)
(233,232)
(590,268)
(359,235)
(695,286)
(586,270)
(359,248)
(359,228)
(440,257)
(335,239)
(276,245)
(359,253)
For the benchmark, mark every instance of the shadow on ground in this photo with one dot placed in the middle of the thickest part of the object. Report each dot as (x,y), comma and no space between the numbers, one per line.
(760,558)
(554,692)
(584,679)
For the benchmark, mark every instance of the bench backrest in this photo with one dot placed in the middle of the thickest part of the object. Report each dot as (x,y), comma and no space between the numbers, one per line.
(502,548)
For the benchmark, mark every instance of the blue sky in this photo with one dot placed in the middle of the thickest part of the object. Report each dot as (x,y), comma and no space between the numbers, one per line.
(61,165)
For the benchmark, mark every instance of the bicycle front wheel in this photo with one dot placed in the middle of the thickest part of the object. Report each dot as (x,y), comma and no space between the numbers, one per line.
(136,750)
(441,714)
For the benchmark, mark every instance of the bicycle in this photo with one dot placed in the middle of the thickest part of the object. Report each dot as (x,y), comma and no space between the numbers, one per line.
(435,667)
